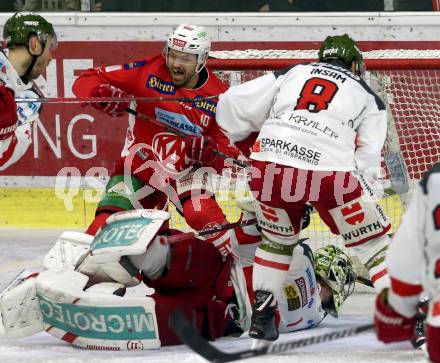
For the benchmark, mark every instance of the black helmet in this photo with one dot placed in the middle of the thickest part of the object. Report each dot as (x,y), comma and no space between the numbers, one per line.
(19,28)
(344,48)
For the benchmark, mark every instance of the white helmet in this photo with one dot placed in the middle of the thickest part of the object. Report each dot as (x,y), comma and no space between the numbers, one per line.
(191,39)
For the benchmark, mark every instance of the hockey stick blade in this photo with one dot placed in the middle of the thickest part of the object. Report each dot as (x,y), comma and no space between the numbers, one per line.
(186,332)
(397,172)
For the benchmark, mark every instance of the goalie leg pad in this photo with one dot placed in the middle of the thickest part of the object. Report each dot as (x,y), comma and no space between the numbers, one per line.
(95,318)
(20,311)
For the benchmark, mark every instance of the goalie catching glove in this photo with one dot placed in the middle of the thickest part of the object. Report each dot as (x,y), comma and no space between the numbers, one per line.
(390,325)
(115,109)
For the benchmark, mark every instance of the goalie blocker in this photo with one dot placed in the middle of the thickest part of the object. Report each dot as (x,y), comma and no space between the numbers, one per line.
(92,308)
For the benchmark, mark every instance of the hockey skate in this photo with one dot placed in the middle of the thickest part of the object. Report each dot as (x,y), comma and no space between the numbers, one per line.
(419,339)
(263,328)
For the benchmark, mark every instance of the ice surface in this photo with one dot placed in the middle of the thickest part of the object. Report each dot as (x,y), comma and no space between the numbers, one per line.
(26,249)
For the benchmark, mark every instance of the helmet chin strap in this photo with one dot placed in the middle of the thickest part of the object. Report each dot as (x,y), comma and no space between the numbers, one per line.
(34,59)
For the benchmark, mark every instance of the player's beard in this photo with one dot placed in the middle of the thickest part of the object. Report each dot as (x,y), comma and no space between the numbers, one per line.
(38,68)
(180,77)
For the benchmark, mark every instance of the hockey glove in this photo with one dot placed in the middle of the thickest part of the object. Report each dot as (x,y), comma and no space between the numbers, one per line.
(201,149)
(116,109)
(8,112)
(390,325)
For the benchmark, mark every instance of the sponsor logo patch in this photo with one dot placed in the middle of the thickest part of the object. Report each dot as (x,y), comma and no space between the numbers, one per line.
(134,64)
(310,280)
(292,297)
(369,229)
(291,150)
(353,214)
(178,121)
(301,283)
(270,219)
(160,85)
(207,106)
(111,323)
(135,345)
(171,149)
(256,147)
(179,42)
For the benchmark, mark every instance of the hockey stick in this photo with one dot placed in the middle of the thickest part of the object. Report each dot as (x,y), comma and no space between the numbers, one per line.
(181,134)
(165,240)
(186,332)
(109,99)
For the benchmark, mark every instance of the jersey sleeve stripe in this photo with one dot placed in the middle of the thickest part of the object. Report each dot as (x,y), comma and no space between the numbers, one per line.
(378,275)
(405,289)
(271,264)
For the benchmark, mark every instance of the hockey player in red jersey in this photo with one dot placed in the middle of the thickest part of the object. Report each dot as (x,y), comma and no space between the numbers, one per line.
(30,40)
(156,164)
(309,117)
(414,267)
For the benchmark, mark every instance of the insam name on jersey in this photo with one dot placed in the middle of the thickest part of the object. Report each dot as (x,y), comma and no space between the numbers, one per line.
(333,74)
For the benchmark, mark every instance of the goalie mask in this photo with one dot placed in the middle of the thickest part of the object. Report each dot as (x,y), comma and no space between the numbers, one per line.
(344,48)
(190,39)
(336,269)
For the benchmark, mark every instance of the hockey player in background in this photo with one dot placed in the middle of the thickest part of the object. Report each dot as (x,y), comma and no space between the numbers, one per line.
(154,159)
(414,267)
(30,41)
(190,275)
(320,129)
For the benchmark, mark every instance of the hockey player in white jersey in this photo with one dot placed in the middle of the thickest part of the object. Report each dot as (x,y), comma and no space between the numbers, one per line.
(30,40)
(73,303)
(414,268)
(321,128)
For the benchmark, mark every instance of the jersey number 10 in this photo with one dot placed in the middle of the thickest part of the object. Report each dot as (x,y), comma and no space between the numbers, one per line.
(316,94)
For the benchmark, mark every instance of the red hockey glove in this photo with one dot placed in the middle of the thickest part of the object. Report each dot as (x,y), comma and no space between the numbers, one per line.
(8,112)
(115,109)
(390,325)
(201,149)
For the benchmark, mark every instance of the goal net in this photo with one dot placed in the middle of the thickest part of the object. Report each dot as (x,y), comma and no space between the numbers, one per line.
(408,81)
